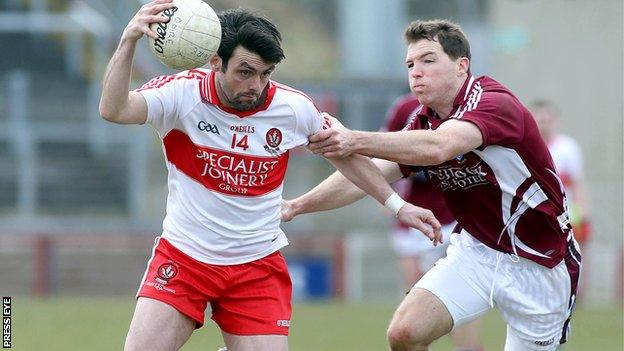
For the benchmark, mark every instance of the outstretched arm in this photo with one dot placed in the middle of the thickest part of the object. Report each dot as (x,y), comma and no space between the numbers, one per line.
(117,103)
(357,176)
(337,191)
(412,147)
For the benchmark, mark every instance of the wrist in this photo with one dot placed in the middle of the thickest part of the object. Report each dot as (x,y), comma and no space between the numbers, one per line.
(394,203)
(128,39)
(296,207)
(357,140)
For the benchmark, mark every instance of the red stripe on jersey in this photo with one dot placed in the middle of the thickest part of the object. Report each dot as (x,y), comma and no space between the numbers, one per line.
(222,171)
(160,81)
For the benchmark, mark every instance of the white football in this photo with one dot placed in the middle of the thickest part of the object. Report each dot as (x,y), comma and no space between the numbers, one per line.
(190,37)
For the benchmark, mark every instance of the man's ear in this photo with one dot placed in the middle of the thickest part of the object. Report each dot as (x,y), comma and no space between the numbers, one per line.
(216,63)
(463,65)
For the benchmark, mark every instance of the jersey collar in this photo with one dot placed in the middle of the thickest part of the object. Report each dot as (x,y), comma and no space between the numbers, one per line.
(209,94)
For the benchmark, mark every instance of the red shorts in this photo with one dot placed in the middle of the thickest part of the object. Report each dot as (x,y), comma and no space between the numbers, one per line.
(247,299)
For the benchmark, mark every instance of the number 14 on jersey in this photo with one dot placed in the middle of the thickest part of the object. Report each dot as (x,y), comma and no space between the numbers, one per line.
(238,142)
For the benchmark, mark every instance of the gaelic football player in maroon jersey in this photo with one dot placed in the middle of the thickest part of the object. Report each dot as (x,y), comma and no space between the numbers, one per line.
(414,252)
(513,248)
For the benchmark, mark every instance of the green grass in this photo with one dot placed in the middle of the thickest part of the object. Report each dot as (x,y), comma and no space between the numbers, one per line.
(101,323)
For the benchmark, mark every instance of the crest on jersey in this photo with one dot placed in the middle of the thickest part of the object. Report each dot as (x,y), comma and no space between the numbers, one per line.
(274,137)
(166,271)
(273,140)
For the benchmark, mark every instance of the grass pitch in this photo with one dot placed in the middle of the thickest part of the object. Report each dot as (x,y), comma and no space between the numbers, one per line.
(101,324)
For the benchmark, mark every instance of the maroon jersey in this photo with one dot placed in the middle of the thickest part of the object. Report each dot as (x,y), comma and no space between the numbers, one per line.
(505,193)
(419,192)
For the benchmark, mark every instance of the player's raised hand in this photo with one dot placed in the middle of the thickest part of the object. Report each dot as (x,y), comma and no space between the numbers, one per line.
(334,142)
(147,14)
(423,220)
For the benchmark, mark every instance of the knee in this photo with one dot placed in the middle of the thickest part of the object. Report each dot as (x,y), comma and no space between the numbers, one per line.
(403,336)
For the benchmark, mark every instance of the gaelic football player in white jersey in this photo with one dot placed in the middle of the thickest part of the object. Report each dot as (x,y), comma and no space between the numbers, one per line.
(226,134)
(513,248)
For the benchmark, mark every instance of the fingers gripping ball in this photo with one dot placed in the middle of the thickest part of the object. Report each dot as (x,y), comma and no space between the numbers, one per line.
(190,37)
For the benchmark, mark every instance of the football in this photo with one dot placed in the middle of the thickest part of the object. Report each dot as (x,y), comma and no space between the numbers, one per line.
(190,37)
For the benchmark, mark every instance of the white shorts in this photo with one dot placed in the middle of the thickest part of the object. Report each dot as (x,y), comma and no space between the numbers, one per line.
(408,242)
(536,302)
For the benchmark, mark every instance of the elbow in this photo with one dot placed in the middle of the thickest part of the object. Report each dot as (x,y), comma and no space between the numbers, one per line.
(438,153)
(438,156)
(108,114)
(441,150)
(105,112)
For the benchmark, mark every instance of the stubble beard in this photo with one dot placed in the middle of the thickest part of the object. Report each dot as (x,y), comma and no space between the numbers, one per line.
(244,105)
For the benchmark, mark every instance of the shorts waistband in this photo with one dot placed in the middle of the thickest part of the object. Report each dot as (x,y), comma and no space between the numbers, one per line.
(489,256)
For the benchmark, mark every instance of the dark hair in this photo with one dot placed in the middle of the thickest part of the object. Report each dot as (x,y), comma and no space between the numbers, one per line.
(253,32)
(448,34)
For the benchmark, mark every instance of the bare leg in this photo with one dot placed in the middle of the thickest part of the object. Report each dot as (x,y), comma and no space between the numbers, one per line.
(466,337)
(410,269)
(156,326)
(255,342)
(418,321)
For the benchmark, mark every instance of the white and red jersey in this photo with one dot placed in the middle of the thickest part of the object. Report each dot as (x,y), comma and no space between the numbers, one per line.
(506,193)
(566,154)
(225,167)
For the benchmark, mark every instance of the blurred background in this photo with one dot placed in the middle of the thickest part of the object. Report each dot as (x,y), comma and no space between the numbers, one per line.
(81,199)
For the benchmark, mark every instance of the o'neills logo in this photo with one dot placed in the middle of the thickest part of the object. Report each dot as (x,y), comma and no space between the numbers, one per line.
(223,171)
(452,178)
(161,30)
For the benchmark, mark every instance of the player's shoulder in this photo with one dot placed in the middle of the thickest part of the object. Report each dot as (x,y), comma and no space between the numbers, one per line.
(490,94)
(188,78)
(492,89)
(291,96)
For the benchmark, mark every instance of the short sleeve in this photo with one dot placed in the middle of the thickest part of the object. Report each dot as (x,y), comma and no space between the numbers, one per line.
(309,119)
(168,99)
(499,116)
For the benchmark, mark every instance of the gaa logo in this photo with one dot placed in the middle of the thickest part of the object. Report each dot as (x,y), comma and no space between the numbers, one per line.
(207,127)
(274,137)
(167,271)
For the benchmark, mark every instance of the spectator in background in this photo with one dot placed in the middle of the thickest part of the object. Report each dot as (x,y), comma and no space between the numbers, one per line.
(414,251)
(568,159)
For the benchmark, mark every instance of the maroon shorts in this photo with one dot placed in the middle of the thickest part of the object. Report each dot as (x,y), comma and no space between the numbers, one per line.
(247,299)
